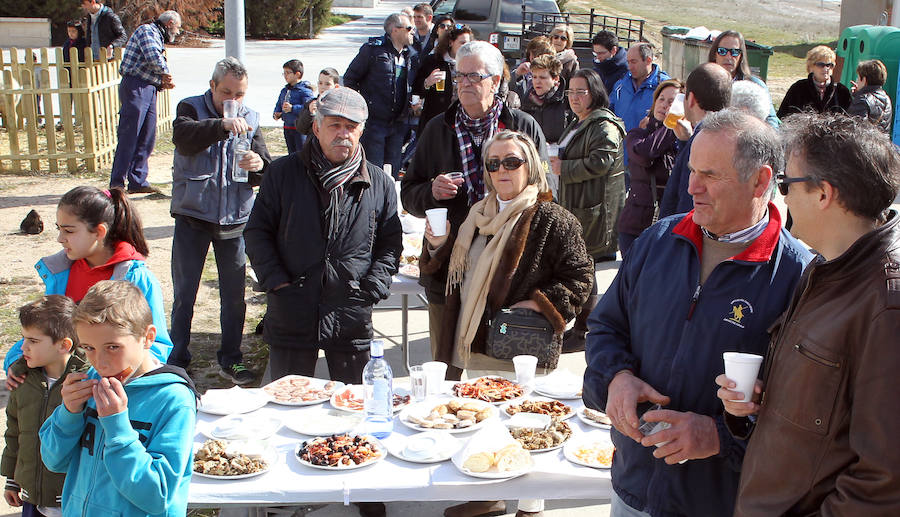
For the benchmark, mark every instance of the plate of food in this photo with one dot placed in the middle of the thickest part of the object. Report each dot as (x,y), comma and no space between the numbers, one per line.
(554,408)
(453,415)
(543,440)
(240,427)
(219,459)
(428,447)
(490,388)
(561,384)
(508,461)
(340,452)
(594,418)
(352,398)
(410,270)
(594,450)
(232,401)
(323,421)
(297,390)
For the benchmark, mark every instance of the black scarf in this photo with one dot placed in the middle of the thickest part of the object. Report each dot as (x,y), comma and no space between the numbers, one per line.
(332,178)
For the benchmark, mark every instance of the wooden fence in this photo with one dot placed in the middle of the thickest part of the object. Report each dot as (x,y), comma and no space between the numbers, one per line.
(62,116)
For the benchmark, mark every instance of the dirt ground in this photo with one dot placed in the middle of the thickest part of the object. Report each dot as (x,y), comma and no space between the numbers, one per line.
(19,283)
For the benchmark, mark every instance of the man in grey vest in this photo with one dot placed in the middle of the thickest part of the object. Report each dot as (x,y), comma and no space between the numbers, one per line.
(212,194)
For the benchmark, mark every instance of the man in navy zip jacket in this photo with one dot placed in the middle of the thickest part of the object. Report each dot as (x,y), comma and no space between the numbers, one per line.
(383,72)
(693,286)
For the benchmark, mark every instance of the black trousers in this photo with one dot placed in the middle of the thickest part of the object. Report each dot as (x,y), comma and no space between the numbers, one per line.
(343,365)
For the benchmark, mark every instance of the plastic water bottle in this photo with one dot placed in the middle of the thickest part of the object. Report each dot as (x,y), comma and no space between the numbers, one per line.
(240,147)
(379,402)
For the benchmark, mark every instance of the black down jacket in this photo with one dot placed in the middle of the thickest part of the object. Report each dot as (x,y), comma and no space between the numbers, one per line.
(333,283)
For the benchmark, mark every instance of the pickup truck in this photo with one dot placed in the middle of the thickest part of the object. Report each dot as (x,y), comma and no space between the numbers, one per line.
(510,24)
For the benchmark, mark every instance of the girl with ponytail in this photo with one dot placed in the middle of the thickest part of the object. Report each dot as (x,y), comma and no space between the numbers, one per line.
(102,239)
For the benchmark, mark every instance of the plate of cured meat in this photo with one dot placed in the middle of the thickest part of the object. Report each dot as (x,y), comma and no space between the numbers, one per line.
(493,389)
(352,398)
(340,452)
(297,390)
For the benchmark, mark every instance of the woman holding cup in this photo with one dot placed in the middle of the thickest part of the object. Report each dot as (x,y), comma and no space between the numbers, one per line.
(432,81)
(515,249)
(651,156)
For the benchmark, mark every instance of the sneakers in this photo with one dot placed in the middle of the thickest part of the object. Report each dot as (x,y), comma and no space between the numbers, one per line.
(237,373)
(144,190)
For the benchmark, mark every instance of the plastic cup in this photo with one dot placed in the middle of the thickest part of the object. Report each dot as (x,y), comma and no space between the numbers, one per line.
(552,150)
(414,100)
(525,365)
(435,372)
(437,218)
(742,369)
(453,176)
(676,112)
(441,82)
(230,108)
(418,382)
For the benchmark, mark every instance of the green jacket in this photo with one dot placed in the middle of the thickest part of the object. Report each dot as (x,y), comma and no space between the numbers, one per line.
(592,178)
(29,405)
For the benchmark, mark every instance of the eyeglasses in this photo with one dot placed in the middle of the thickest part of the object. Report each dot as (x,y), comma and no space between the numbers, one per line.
(784,182)
(824,65)
(578,93)
(473,77)
(408,28)
(559,36)
(722,51)
(509,163)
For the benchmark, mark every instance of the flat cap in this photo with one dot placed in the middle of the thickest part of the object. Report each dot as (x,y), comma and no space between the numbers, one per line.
(344,102)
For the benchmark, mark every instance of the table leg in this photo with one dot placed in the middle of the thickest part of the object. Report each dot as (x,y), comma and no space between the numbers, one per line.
(404,339)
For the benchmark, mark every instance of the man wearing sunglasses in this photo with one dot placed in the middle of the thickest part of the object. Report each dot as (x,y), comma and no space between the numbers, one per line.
(822,443)
(692,287)
(383,72)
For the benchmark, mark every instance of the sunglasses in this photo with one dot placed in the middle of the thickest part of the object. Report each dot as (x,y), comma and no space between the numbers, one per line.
(784,182)
(559,36)
(824,65)
(408,28)
(509,163)
(722,51)
(446,25)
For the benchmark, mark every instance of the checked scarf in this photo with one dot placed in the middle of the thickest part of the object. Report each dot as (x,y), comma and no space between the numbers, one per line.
(333,177)
(471,133)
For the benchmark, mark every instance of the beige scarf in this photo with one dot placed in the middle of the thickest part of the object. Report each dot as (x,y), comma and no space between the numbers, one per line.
(484,217)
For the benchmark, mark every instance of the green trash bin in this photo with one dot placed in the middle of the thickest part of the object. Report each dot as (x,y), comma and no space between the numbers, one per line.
(681,55)
(863,42)
(758,59)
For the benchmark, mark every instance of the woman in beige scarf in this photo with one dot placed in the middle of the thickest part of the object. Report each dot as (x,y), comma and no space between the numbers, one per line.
(515,249)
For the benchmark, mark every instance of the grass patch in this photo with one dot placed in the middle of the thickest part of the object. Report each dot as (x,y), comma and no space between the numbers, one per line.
(339,19)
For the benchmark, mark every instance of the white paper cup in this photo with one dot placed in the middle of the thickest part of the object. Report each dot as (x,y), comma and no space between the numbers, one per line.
(415,99)
(437,218)
(525,368)
(742,369)
(435,372)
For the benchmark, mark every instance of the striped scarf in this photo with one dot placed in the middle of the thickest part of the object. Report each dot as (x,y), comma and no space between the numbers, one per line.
(333,177)
(471,133)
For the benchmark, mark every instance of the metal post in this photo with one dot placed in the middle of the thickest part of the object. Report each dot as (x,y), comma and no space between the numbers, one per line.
(234,29)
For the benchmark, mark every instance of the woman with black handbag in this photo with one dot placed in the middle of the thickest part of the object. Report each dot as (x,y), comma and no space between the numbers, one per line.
(516,249)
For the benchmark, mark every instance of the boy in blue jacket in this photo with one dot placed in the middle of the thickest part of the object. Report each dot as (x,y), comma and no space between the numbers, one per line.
(123,434)
(291,100)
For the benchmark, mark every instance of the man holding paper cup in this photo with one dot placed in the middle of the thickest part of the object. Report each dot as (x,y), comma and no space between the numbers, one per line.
(824,440)
(693,287)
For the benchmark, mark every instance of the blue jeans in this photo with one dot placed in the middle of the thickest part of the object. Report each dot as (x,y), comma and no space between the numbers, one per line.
(190,244)
(382,142)
(294,140)
(618,508)
(136,133)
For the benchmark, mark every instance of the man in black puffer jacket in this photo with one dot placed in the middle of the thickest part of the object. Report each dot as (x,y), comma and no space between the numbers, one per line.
(324,238)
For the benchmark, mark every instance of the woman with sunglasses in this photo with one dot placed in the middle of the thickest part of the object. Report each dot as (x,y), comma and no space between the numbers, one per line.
(651,156)
(442,25)
(591,171)
(561,37)
(515,249)
(729,50)
(819,92)
(437,90)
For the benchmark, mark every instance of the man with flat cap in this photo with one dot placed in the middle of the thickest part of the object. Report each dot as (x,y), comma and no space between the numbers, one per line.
(324,239)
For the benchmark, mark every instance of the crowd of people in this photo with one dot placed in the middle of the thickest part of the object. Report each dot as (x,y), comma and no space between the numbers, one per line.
(545,169)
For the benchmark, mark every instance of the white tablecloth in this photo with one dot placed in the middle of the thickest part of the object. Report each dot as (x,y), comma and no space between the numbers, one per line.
(392,479)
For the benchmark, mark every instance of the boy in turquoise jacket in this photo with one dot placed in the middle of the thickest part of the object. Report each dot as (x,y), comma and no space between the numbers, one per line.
(124,433)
